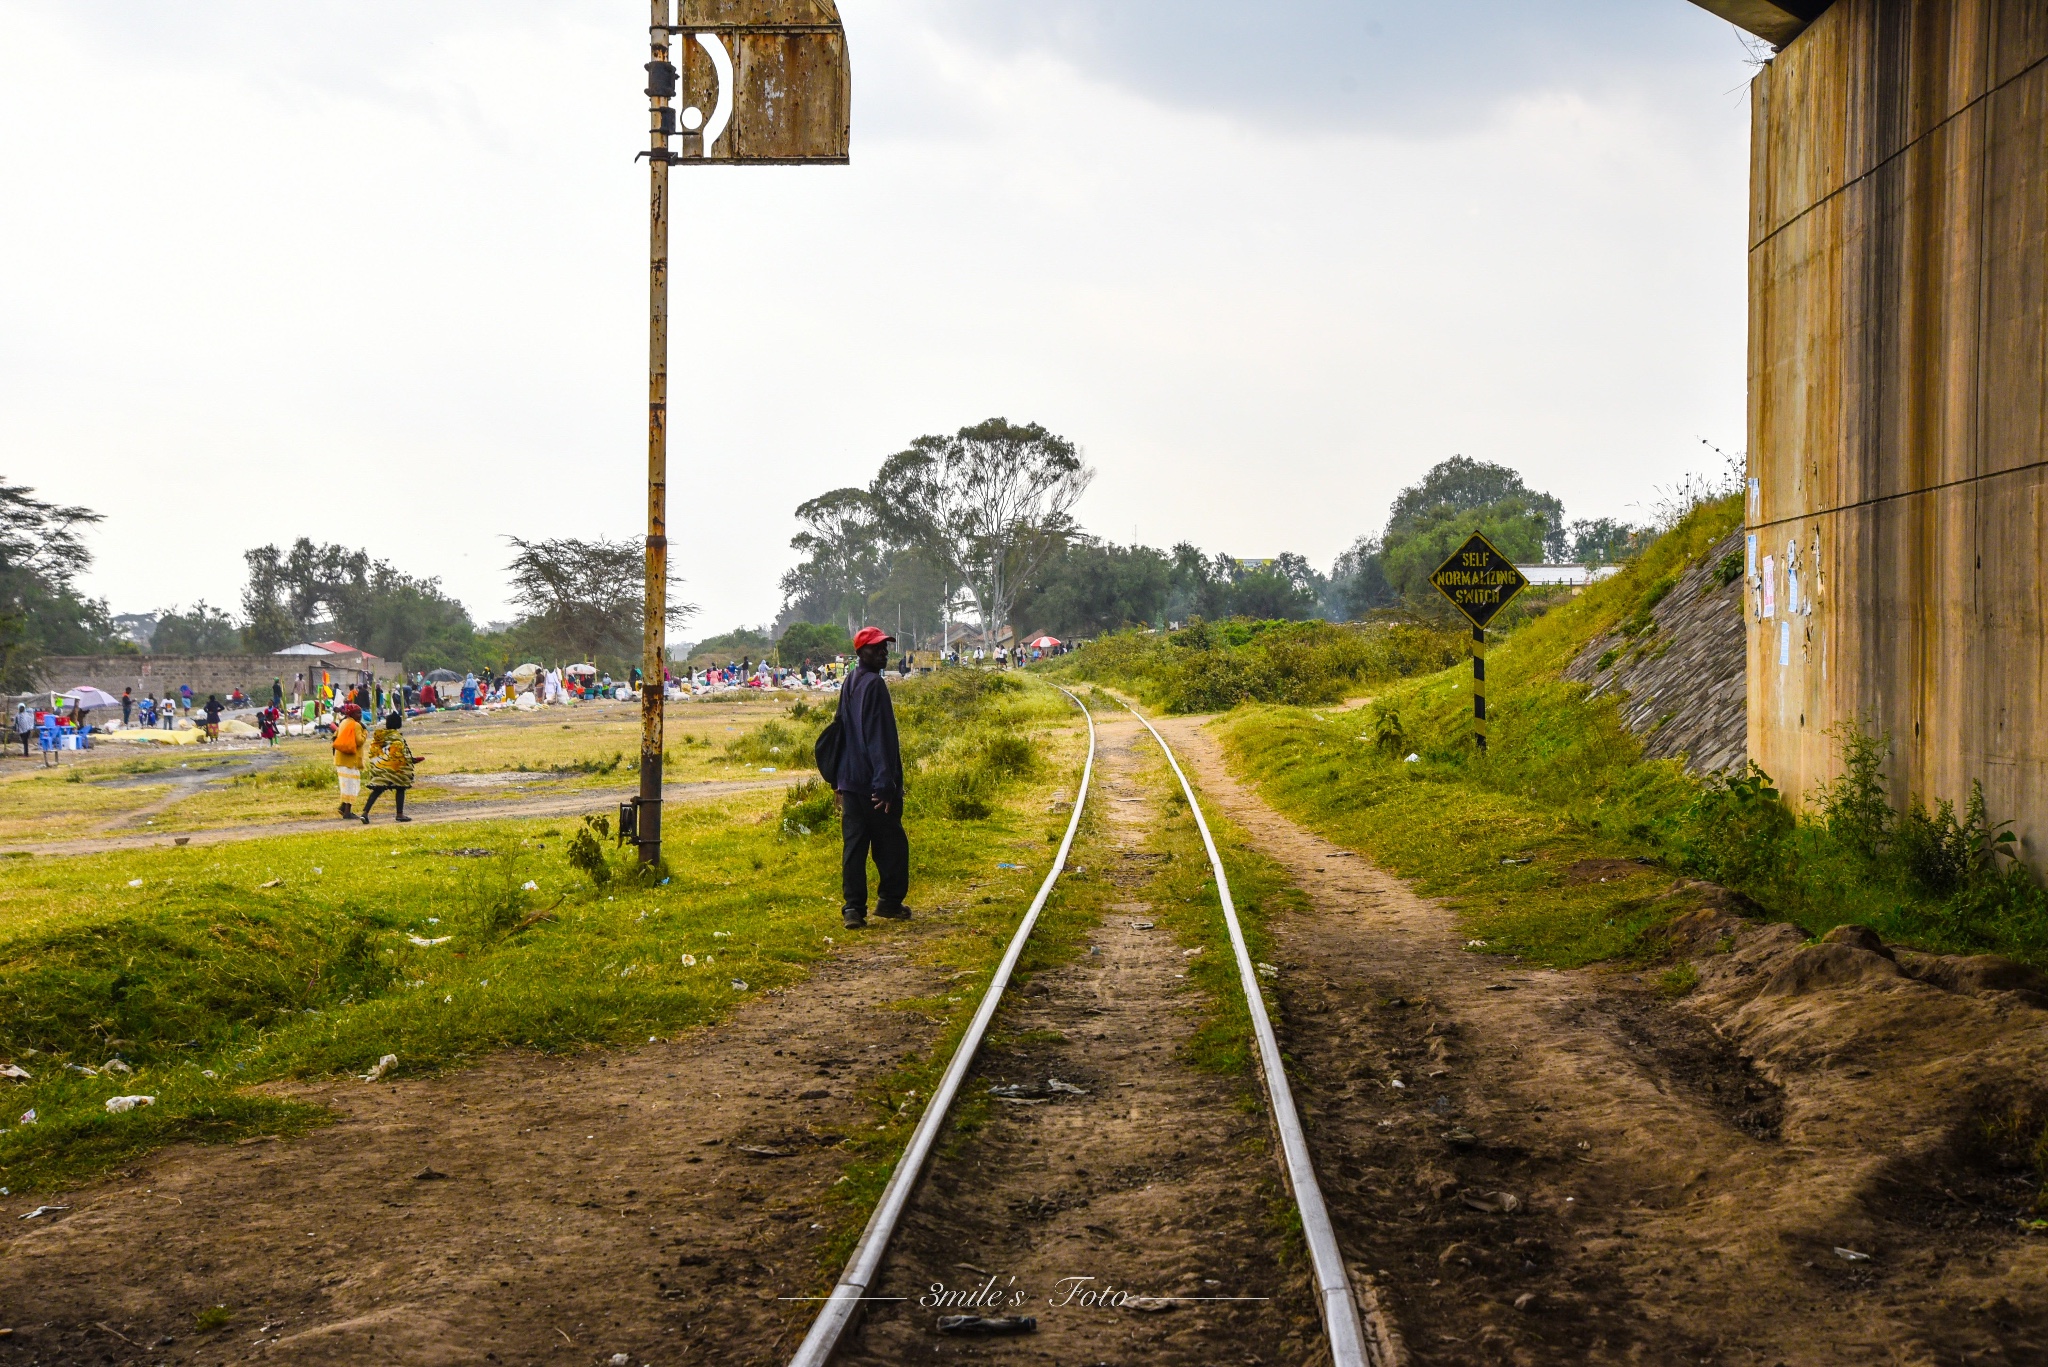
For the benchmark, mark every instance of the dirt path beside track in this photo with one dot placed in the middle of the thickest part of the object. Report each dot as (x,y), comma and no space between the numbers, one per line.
(427,813)
(1156,1181)
(657,1202)
(1539,1166)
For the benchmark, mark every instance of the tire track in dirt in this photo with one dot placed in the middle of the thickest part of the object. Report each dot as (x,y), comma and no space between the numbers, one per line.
(1539,1166)
(1157,1182)
(658,1202)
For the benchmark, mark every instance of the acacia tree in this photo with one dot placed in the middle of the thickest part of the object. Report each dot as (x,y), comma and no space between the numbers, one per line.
(584,598)
(41,610)
(991,504)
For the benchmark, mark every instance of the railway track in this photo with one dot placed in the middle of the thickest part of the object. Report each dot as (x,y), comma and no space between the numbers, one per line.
(1353,1336)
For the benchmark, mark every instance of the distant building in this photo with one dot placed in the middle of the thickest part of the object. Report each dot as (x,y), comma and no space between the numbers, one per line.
(1577,576)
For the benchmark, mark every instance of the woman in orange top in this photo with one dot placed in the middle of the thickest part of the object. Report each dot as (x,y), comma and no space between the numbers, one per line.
(348,758)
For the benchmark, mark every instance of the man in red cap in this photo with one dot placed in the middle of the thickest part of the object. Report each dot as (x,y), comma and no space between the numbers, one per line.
(869,788)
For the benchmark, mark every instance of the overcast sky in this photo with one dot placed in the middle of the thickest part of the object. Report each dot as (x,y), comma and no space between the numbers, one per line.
(375,273)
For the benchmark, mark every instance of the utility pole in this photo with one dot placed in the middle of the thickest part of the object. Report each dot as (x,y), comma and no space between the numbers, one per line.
(661,87)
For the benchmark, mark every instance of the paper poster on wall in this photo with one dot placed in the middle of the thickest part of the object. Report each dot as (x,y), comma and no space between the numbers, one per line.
(1784,643)
(1770,586)
(1750,569)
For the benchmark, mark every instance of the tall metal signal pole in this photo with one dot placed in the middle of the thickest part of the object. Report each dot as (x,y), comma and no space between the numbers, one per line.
(795,111)
(661,87)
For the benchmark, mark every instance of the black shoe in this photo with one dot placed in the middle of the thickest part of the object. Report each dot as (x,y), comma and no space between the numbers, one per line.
(899,912)
(364,818)
(403,817)
(853,920)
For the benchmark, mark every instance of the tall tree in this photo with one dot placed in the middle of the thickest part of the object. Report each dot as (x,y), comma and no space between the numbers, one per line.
(204,630)
(991,504)
(846,557)
(41,610)
(1431,518)
(584,598)
(317,591)
(1091,587)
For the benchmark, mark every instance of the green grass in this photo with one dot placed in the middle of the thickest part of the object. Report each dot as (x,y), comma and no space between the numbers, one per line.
(1502,836)
(298,957)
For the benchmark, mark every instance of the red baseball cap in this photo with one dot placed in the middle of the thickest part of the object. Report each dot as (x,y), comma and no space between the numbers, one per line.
(868,636)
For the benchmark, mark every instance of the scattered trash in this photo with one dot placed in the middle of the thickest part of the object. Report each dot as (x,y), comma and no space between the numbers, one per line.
(1500,987)
(760,1152)
(1475,944)
(424,943)
(767,768)
(739,984)
(1151,1305)
(114,1065)
(1267,971)
(135,882)
(1850,1255)
(1412,759)
(448,1000)
(721,935)
(689,961)
(1094,949)
(1053,1084)
(429,1175)
(18,1074)
(80,1069)
(1492,1203)
(1397,1084)
(1141,925)
(1526,1302)
(182,840)
(1460,1138)
(662,884)
(1009,866)
(208,1074)
(28,1117)
(118,1104)
(273,883)
(1518,861)
(2026,1226)
(988,1324)
(44,1210)
(620,1360)
(529,886)
(1191,953)
(433,920)
(383,1066)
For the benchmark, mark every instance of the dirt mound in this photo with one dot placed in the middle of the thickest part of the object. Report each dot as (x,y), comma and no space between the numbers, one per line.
(1680,668)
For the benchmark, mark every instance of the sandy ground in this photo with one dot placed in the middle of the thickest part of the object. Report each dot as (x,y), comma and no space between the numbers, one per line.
(659,1202)
(423,813)
(1156,1182)
(1563,1167)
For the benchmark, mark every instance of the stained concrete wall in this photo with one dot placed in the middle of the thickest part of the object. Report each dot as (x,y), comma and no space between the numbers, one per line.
(1898,417)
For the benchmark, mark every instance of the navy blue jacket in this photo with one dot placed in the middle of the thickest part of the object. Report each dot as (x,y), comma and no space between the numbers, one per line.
(872,761)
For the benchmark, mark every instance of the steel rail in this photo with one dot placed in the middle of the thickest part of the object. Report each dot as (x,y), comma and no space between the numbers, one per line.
(851,1291)
(1349,1346)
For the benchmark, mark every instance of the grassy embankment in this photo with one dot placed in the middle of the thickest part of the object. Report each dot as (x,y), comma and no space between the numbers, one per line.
(207,970)
(1505,836)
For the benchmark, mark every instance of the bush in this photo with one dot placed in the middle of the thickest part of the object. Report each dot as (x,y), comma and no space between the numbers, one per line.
(1738,832)
(808,809)
(586,854)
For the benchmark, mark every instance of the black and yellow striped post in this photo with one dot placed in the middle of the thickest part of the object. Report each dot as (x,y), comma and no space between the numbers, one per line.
(1479,688)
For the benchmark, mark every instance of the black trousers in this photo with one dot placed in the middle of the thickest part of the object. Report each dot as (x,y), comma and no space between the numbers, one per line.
(868,831)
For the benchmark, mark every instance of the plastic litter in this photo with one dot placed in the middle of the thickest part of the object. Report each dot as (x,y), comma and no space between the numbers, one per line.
(1009,866)
(1412,759)
(988,1324)
(424,943)
(1191,953)
(273,883)
(1492,1203)
(208,1073)
(44,1210)
(28,1117)
(135,882)
(1150,1304)
(620,1360)
(739,984)
(1851,1255)
(530,886)
(1141,925)
(689,961)
(118,1104)
(114,1065)
(383,1066)
(1267,971)
(1053,1084)
(429,1175)
(18,1074)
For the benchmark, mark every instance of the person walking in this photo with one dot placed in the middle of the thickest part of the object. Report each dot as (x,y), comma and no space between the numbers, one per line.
(212,717)
(277,693)
(348,758)
(185,695)
(391,766)
(868,789)
(24,726)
